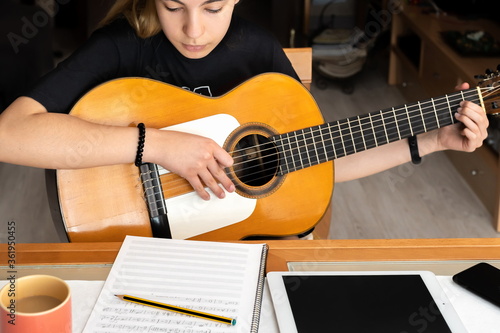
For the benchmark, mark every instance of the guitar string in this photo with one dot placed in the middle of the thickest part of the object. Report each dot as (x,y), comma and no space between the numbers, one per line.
(432,112)
(360,126)
(416,113)
(390,111)
(425,114)
(443,100)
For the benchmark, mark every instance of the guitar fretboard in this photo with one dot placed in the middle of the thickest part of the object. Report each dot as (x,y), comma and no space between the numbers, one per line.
(318,144)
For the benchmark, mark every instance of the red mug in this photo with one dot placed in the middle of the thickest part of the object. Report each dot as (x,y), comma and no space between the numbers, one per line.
(35,303)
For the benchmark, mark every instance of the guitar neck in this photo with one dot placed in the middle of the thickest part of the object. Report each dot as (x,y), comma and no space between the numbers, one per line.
(318,144)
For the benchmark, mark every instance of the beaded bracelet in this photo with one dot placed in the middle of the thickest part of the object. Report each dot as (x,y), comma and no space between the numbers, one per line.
(140,145)
(415,156)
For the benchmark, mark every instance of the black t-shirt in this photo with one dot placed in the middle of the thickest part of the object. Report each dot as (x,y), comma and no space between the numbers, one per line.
(115,51)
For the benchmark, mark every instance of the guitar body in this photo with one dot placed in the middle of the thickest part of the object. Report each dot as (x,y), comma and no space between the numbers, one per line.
(108,203)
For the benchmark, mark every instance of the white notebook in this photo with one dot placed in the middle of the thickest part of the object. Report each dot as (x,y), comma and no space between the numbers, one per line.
(224,279)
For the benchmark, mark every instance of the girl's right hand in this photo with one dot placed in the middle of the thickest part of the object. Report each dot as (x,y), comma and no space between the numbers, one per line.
(199,160)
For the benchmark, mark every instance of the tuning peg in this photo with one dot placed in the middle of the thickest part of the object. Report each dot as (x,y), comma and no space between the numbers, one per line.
(488,76)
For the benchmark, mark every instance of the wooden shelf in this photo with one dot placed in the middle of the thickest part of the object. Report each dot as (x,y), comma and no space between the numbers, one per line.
(436,70)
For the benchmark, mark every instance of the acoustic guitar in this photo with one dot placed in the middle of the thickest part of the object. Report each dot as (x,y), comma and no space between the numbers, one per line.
(272,127)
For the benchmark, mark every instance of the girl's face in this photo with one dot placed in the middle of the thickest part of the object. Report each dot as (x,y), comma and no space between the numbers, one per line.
(195,27)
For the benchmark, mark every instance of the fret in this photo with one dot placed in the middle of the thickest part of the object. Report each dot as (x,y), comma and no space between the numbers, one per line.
(383,126)
(428,114)
(397,122)
(332,137)
(361,133)
(408,117)
(311,147)
(352,137)
(356,137)
(294,151)
(341,138)
(286,158)
(410,122)
(435,113)
(282,165)
(379,128)
(367,132)
(449,108)
(345,136)
(304,151)
(422,116)
(319,145)
(325,142)
(453,105)
(373,130)
(442,112)
(338,142)
(390,125)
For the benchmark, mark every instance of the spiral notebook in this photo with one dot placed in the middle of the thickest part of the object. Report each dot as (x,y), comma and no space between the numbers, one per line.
(224,279)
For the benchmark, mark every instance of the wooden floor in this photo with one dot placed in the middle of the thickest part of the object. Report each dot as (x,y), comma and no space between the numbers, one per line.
(430,200)
(426,201)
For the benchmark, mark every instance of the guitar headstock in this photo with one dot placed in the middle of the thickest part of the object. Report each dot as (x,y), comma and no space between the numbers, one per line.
(490,89)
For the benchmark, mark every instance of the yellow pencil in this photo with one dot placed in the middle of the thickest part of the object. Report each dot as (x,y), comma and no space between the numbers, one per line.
(178,309)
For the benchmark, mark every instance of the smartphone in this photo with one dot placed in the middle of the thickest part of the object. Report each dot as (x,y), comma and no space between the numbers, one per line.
(482,279)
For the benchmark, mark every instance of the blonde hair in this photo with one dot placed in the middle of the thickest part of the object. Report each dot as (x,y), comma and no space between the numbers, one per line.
(141,15)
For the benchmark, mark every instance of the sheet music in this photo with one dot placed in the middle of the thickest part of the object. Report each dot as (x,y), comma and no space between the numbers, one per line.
(218,278)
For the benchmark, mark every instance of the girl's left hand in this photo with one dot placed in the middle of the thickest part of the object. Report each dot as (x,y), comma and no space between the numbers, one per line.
(469,133)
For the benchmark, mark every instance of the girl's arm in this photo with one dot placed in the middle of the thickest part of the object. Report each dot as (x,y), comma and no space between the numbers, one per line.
(31,136)
(467,135)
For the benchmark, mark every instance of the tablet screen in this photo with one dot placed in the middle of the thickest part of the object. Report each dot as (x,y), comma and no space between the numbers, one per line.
(363,303)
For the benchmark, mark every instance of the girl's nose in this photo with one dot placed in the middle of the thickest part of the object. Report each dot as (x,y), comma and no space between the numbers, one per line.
(193,27)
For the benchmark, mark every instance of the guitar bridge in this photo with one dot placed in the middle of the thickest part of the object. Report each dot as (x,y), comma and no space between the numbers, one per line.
(155,201)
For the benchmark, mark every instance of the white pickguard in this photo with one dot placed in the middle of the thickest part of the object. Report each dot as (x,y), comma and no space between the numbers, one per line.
(188,214)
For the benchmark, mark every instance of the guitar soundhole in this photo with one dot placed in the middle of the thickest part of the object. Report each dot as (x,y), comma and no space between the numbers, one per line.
(255,160)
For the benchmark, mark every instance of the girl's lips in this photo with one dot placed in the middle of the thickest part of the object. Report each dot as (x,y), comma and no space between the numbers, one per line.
(194,48)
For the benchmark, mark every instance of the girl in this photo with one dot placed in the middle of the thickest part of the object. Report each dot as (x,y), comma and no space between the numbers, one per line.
(195,44)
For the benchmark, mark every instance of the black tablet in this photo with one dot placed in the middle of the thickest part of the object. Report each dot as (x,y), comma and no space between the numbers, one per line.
(357,302)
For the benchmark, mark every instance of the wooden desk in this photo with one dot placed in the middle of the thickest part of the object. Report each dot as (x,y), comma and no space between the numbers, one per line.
(92,261)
